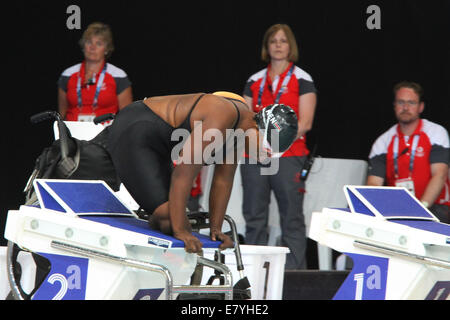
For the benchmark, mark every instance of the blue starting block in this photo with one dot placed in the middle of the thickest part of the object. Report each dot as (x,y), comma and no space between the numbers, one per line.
(95,201)
(99,249)
(79,197)
(387,203)
(399,249)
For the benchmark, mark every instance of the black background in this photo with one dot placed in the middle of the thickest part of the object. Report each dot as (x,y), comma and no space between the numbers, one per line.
(172,47)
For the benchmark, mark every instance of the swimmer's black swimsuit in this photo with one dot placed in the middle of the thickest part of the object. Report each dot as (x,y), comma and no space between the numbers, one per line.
(140,144)
(187,122)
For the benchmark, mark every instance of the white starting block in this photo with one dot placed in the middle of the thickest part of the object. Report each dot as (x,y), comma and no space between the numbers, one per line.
(97,248)
(399,249)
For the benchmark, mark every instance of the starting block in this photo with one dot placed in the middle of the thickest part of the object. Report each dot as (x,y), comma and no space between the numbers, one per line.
(399,249)
(97,248)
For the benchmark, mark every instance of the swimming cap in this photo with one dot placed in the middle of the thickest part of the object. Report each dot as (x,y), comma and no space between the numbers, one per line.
(280,125)
(230,95)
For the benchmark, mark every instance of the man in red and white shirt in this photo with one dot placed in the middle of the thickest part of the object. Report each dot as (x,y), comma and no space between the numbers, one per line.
(413,153)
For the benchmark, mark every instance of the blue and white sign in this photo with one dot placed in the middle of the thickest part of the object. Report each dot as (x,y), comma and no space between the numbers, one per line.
(386,203)
(79,197)
(66,279)
(367,280)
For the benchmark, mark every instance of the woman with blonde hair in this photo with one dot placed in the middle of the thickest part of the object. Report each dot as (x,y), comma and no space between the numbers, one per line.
(281,82)
(93,87)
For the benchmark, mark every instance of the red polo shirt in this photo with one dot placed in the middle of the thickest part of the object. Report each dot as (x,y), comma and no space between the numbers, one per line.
(115,81)
(300,83)
(432,147)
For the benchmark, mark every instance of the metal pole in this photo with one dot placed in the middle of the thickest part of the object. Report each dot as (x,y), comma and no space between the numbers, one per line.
(15,290)
(394,252)
(124,261)
(227,288)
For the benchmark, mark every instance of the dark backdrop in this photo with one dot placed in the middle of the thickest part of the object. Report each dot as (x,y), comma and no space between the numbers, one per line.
(169,47)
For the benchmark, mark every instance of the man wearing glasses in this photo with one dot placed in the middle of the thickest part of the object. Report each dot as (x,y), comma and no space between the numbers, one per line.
(414,153)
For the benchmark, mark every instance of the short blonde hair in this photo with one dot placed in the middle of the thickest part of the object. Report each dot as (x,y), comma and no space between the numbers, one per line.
(293,52)
(102,30)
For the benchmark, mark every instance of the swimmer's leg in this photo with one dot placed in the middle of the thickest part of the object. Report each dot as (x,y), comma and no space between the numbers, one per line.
(160,219)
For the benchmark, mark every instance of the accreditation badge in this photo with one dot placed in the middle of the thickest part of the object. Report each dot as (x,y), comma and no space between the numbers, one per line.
(408,184)
(86,117)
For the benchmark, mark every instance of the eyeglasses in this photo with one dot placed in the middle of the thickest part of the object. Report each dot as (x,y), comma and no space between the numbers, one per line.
(402,103)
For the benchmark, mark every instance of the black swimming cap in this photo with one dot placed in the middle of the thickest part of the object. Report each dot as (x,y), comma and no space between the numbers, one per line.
(279,122)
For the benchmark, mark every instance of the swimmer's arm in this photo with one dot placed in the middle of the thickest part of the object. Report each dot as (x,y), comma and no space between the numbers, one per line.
(189,164)
(180,188)
(221,187)
(182,178)
(222,181)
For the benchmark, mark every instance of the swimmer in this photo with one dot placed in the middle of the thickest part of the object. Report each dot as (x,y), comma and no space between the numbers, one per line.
(141,141)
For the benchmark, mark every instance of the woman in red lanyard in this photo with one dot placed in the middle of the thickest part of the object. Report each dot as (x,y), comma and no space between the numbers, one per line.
(93,87)
(282,82)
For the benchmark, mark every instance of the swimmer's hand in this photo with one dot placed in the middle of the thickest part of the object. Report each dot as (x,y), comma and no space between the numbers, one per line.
(191,243)
(217,235)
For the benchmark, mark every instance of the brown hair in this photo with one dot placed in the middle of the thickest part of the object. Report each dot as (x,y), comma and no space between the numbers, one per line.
(293,52)
(102,30)
(417,88)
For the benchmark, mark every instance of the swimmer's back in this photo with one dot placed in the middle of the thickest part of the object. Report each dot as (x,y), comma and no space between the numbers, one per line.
(173,109)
